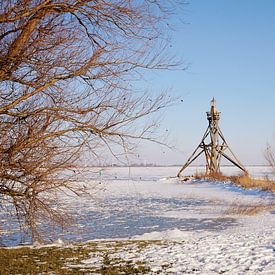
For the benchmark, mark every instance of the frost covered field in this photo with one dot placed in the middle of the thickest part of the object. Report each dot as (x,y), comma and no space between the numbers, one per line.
(200,225)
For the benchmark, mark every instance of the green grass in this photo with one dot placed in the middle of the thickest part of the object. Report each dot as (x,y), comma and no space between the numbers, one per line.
(69,260)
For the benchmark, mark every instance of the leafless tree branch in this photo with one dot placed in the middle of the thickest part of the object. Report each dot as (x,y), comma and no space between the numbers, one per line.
(64,72)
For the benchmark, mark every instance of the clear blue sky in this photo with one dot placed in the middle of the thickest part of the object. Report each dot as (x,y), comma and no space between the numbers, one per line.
(230,47)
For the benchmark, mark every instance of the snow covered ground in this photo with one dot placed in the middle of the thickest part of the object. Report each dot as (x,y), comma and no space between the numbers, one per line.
(200,234)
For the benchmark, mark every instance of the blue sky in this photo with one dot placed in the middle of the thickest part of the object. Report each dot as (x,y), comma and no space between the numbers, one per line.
(229,46)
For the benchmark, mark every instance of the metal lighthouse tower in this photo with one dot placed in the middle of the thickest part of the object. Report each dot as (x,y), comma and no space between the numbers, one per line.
(213,145)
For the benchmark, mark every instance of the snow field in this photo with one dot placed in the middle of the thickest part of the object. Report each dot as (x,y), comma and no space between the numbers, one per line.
(247,251)
(214,243)
(189,221)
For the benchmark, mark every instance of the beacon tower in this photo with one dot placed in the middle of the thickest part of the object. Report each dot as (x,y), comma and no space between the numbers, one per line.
(213,145)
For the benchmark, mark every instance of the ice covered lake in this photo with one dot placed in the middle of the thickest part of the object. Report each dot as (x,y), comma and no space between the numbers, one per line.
(137,201)
(197,231)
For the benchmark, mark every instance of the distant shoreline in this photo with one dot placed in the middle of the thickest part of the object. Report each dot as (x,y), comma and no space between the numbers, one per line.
(159,165)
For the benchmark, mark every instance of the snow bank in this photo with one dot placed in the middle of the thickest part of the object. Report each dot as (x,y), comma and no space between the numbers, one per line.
(171,234)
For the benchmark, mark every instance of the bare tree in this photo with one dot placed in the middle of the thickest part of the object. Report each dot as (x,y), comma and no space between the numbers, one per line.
(65,67)
(270,157)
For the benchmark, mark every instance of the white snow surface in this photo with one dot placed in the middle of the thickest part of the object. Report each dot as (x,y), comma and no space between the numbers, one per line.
(245,249)
(197,236)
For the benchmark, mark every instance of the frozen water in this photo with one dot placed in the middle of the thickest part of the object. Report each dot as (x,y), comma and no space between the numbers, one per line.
(148,204)
(135,201)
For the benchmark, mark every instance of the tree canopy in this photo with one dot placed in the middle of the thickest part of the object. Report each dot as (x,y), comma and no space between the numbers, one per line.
(65,69)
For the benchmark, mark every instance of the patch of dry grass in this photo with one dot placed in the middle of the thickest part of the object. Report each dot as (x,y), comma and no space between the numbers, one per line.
(248,210)
(212,176)
(247,182)
(71,259)
(243,180)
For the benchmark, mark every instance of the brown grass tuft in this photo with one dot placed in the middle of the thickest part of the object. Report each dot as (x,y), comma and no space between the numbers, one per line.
(248,210)
(243,180)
